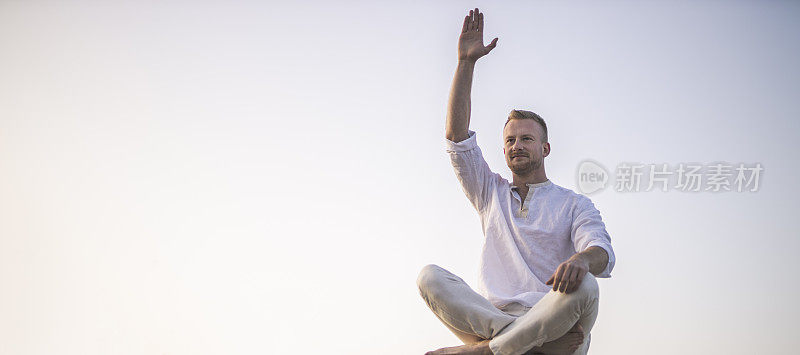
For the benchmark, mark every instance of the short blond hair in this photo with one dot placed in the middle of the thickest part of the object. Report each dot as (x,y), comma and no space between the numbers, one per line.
(527,115)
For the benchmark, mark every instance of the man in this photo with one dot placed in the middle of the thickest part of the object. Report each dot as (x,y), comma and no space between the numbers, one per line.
(538,235)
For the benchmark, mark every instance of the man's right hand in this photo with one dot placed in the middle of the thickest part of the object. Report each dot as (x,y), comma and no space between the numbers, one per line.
(470,43)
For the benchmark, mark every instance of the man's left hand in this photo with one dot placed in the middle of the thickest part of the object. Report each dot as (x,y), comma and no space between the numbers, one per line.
(569,274)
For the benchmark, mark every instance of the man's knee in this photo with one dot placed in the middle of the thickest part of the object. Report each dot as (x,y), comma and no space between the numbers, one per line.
(428,277)
(588,286)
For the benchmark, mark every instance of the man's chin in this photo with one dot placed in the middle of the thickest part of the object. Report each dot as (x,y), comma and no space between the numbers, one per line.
(521,169)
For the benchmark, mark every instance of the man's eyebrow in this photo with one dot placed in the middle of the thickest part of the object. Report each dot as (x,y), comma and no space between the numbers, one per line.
(524,135)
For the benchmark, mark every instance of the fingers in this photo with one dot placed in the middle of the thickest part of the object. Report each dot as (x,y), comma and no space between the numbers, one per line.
(473,21)
(473,25)
(573,280)
(566,279)
(493,44)
(559,276)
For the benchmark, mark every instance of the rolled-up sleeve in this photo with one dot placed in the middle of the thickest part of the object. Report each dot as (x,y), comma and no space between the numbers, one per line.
(588,230)
(471,169)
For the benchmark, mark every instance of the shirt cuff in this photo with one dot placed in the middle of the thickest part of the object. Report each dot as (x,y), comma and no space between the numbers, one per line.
(463,146)
(611,257)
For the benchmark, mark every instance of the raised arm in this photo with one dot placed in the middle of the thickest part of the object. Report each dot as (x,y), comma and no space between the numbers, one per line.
(470,49)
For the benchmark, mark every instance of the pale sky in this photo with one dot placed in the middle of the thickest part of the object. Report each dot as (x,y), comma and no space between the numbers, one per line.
(247,177)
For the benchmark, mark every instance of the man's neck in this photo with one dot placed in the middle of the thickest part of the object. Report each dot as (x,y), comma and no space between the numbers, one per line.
(535,177)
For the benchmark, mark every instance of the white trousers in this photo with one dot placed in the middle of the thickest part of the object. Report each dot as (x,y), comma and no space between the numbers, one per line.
(515,329)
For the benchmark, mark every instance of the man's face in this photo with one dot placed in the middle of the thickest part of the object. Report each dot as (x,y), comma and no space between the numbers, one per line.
(523,146)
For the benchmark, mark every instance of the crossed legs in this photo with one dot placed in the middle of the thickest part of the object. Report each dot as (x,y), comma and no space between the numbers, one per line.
(474,320)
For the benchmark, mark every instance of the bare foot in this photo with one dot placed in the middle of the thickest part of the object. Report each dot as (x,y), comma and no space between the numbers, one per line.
(479,348)
(567,344)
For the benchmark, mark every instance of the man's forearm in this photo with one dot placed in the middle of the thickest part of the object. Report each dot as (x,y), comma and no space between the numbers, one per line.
(458,107)
(596,257)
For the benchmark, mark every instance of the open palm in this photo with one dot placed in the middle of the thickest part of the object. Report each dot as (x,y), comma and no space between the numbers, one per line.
(470,43)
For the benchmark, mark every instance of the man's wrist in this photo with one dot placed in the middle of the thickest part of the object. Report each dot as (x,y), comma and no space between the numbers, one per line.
(466,63)
(595,257)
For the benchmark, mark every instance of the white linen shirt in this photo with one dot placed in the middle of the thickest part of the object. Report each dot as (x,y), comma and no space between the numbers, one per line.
(524,243)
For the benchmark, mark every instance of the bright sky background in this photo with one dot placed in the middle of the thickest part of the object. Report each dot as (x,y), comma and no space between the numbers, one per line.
(246,177)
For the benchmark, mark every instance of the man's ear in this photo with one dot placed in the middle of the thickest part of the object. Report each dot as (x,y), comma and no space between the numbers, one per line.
(545,149)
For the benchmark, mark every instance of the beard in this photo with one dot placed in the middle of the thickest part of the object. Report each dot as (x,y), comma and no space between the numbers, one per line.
(525,168)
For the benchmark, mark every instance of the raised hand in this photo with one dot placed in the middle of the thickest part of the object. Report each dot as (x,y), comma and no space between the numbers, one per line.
(470,43)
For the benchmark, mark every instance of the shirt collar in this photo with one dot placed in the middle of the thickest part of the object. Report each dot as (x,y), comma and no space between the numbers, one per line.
(540,184)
